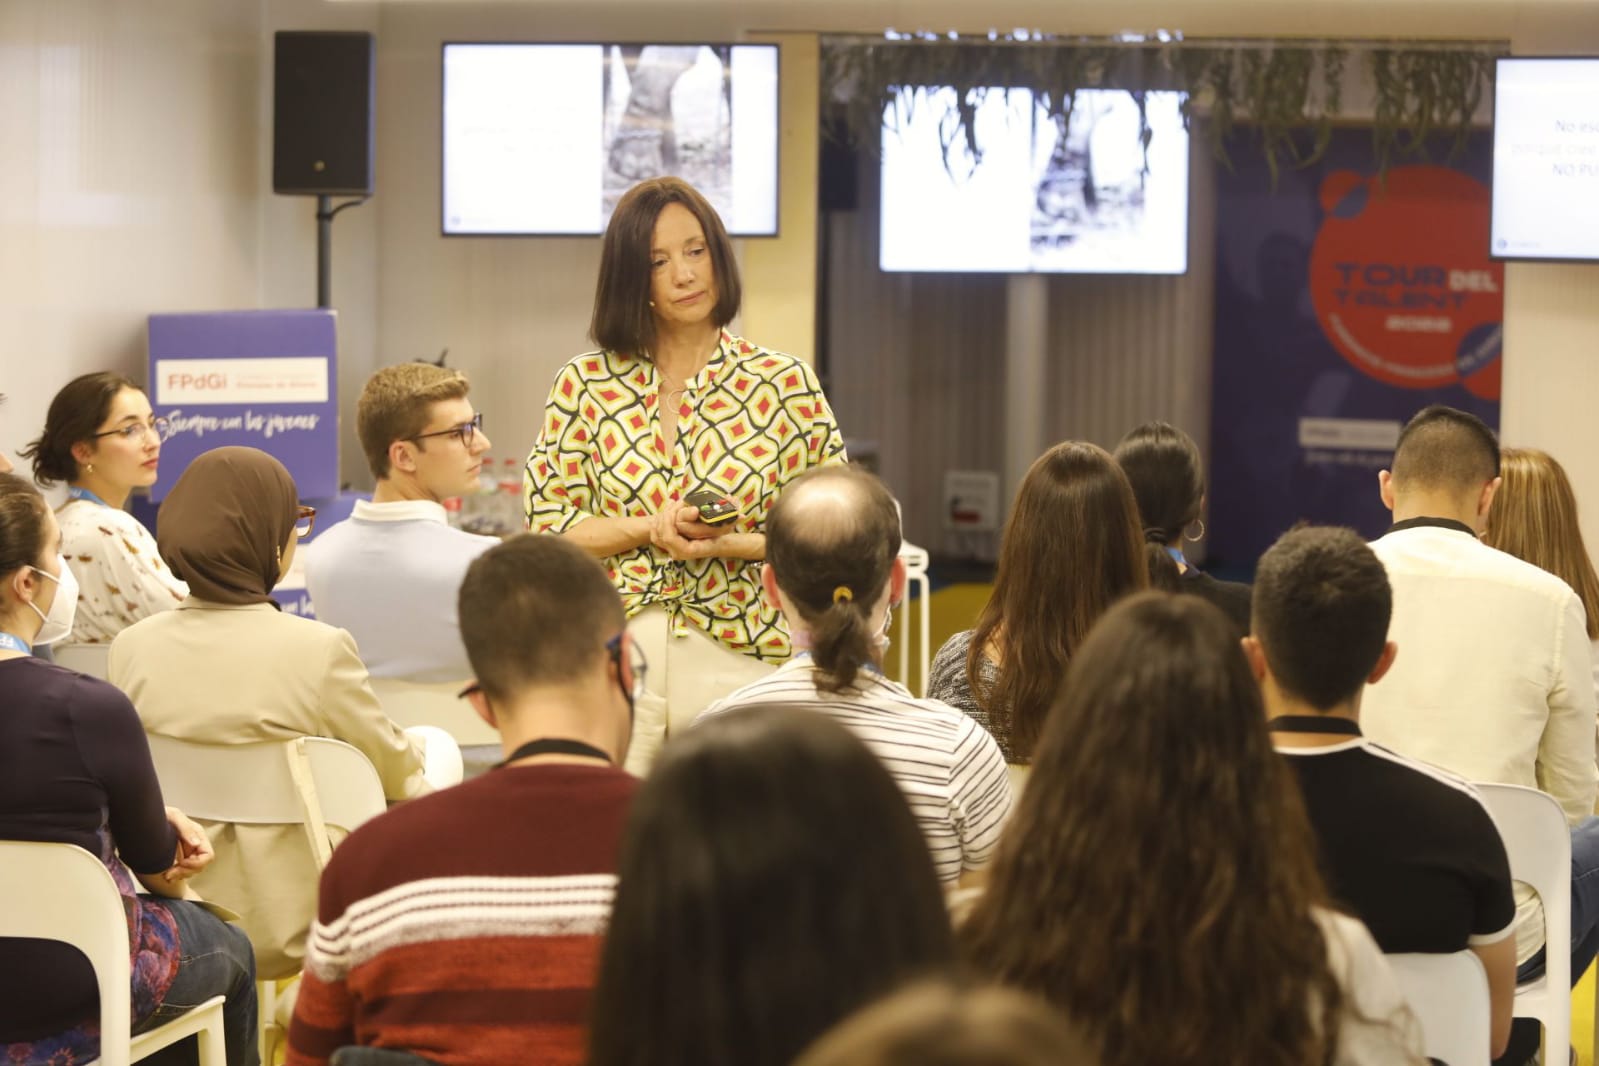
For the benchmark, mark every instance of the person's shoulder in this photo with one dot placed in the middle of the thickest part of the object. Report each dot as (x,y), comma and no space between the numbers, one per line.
(764,362)
(80,692)
(956,646)
(596,365)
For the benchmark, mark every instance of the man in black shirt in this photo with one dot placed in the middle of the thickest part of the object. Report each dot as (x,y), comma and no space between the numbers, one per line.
(1409,848)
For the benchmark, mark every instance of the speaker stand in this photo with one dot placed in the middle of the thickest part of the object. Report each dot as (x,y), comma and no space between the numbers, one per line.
(325,211)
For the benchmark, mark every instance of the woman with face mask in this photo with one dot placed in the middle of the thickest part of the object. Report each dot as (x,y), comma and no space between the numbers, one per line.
(75,769)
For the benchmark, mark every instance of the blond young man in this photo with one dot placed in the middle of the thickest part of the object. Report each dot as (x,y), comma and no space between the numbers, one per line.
(390,572)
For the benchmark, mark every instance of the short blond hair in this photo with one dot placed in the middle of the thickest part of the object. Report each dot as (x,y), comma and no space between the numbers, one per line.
(395,404)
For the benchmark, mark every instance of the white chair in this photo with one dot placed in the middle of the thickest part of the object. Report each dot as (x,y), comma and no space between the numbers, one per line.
(91,659)
(1538,844)
(411,703)
(1449,996)
(61,892)
(315,782)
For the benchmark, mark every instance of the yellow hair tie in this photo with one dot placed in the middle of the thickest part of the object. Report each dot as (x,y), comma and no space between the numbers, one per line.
(842,594)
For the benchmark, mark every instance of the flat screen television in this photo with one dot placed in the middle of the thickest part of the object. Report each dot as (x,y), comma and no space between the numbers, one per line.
(1088,196)
(1546,159)
(543,139)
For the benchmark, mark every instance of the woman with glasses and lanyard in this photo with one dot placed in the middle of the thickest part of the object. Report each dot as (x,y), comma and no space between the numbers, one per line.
(102,440)
(227,667)
(662,452)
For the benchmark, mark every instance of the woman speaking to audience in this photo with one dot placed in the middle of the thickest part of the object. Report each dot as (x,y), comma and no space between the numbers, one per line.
(670,406)
(75,769)
(101,439)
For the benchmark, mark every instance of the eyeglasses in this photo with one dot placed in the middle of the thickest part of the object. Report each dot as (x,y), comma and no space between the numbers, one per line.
(465,431)
(304,521)
(137,430)
(637,666)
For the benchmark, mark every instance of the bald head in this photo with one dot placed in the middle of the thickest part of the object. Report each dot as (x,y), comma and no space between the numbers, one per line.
(833,523)
(1445,451)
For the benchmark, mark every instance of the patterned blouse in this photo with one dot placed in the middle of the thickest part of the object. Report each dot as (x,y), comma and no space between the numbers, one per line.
(751,421)
(947,680)
(121,576)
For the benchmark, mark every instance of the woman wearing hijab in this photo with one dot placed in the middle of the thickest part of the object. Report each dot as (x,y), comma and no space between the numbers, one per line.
(226,667)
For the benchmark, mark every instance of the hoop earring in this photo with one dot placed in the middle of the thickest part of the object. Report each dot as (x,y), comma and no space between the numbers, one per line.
(1191,537)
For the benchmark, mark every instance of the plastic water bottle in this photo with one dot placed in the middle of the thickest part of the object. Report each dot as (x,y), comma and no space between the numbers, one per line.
(478,509)
(510,498)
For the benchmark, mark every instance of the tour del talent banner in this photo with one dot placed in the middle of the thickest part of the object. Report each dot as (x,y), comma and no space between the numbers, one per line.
(1345,302)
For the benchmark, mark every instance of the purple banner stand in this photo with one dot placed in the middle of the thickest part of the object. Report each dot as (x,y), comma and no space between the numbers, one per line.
(264,379)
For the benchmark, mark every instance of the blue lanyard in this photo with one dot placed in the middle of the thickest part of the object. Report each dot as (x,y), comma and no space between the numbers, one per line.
(1177,556)
(84,494)
(15,643)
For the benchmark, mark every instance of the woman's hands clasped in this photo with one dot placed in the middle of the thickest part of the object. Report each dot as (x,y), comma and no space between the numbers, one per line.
(679,533)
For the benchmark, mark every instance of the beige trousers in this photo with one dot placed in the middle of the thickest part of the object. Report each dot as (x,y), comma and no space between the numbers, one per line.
(686,674)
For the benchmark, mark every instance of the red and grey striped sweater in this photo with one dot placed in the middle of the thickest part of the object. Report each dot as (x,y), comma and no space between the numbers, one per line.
(465,926)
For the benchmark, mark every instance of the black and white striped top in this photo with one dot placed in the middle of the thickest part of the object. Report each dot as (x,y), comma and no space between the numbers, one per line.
(950,770)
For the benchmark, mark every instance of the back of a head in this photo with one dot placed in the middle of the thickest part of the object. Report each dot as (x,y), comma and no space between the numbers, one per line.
(1320,610)
(1071,548)
(938,1023)
(1534,518)
(535,610)
(395,404)
(22,524)
(772,881)
(831,541)
(1159,738)
(74,416)
(1443,450)
(224,523)
(1163,466)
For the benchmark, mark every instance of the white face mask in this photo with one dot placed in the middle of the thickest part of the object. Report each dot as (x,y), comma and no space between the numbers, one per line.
(63,609)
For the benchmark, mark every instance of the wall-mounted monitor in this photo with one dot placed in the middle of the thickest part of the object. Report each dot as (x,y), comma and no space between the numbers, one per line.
(1546,159)
(1091,195)
(543,139)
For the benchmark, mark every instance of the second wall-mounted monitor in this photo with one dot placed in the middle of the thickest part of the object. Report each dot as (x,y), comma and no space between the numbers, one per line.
(543,139)
(1105,192)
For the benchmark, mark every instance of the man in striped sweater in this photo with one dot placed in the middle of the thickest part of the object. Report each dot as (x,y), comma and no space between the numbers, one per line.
(464,927)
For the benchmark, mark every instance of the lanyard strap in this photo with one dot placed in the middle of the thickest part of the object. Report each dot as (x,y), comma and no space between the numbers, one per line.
(1314,723)
(1177,556)
(84,494)
(555,746)
(15,643)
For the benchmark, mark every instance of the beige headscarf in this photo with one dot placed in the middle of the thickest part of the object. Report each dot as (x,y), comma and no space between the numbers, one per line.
(225,522)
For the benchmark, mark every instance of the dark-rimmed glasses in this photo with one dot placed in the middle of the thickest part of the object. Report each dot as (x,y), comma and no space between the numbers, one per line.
(137,430)
(463,431)
(637,665)
(304,521)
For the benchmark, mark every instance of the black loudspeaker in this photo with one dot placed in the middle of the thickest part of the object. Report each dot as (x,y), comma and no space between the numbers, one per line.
(322,114)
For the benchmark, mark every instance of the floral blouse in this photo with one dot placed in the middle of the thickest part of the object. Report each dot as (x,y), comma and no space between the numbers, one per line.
(750,422)
(121,576)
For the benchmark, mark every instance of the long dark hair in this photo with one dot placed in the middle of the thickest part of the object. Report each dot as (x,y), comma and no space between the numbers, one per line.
(772,882)
(1163,465)
(831,540)
(75,415)
(1071,548)
(1160,863)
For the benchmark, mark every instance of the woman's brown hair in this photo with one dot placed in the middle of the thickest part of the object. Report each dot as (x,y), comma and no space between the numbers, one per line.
(623,322)
(1071,548)
(1157,880)
(1534,518)
(22,512)
(831,540)
(75,415)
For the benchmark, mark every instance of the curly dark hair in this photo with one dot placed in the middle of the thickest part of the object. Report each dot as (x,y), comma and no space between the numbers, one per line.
(1157,880)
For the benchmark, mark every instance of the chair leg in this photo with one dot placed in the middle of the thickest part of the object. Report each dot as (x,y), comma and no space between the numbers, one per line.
(266,995)
(213,1045)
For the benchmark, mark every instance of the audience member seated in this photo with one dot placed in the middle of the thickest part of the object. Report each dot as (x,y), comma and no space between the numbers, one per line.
(1495,683)
(227,667)
(75,769)
(102,440)
(1163,465)
(465,927)
(390,572)
(833,567)
(772,882)
(939,1023)
(1411,850)
(1159,882)
(1534,518)
(1071,548)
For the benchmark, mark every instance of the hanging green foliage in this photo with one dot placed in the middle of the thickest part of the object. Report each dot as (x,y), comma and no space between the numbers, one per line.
(1287,94)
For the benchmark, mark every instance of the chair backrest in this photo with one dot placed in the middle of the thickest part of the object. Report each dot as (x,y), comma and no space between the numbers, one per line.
(91,659)
(411,703)
(1449,996)
(311,781)
(1538,844)
(61,892)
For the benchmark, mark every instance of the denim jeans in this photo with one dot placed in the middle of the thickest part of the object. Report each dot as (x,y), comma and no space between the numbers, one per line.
(376,1056)
(217,959)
